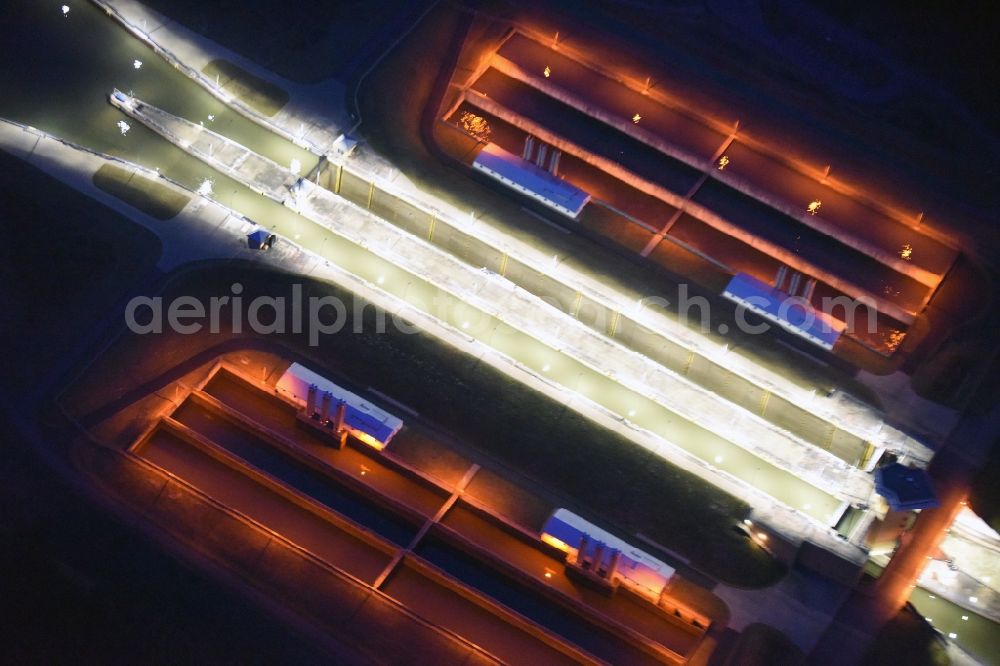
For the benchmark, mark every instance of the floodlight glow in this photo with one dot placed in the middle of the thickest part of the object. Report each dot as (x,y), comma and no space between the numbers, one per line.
(547,366)
(552,541)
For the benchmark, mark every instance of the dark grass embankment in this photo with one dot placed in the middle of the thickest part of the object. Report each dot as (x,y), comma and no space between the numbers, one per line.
(305,41)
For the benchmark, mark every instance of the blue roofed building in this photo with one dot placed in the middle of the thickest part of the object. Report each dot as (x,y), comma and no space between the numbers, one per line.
(365,421)
(529,179)
(792,313)
(905,488)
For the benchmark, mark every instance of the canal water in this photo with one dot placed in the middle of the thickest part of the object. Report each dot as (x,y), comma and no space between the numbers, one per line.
(60,69)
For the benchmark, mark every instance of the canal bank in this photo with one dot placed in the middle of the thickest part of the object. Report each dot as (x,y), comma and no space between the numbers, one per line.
(593,359)
(601,292)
